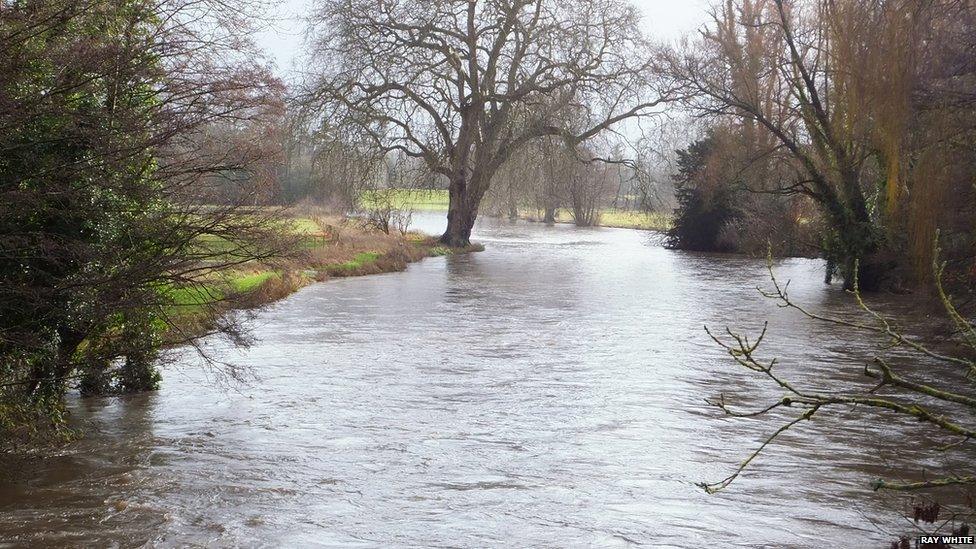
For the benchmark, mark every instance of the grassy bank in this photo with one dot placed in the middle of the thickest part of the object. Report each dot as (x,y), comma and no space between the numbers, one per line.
(437,200)
(329,247)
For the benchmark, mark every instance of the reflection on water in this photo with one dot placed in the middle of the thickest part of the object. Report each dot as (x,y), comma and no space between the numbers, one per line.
(546,392)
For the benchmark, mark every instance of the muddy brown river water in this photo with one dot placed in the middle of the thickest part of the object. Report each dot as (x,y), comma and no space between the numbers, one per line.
(546,392)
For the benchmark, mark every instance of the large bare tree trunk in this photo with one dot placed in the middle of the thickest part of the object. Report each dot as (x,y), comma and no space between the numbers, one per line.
(461,214)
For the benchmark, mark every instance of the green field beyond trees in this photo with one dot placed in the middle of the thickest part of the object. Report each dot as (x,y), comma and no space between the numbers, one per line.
(437,200)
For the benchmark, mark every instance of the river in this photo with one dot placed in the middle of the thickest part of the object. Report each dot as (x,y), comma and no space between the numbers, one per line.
(546,392)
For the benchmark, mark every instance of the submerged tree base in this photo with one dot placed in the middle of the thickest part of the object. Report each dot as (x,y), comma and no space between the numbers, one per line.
(454,242)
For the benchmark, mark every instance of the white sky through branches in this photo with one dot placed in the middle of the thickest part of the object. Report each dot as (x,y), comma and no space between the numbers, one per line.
(282,40)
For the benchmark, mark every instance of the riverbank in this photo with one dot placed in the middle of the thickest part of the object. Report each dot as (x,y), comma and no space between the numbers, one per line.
(423,200)
(329,247)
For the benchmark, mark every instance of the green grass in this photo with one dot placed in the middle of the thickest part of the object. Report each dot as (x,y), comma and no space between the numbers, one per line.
(247,283)
(312,241)
(408,199)
(631,219)
(213,244)
(438,200)
(193,299)
(358,261)
(305,225)
(309,233)
(624,219)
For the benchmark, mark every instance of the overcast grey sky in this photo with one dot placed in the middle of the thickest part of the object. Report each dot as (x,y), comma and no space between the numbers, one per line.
(664,19)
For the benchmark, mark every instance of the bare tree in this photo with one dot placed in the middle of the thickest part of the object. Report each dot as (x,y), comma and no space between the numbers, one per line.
(463,84)
(513,184)
(325,165)
(557,166)
(589,187)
